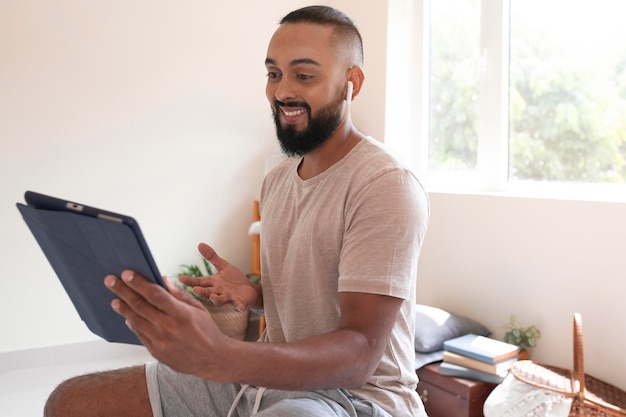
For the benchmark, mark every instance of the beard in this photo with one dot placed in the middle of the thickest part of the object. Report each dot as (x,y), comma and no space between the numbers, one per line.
(319,128)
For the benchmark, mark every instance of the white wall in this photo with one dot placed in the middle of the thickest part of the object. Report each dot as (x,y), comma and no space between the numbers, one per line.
(491,256)
(154,109)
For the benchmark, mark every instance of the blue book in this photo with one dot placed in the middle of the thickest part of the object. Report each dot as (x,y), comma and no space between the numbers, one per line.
(481,348)
(459,371)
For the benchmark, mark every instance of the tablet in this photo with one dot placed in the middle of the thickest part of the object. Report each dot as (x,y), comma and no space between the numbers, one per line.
(84,244)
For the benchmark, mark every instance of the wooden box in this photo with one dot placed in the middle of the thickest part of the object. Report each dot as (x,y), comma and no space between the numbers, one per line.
(446,396)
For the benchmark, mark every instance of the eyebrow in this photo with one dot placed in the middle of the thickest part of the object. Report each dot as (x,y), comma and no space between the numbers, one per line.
(299,61)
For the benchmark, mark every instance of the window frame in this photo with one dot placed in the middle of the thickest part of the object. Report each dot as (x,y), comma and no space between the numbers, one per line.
(408,107)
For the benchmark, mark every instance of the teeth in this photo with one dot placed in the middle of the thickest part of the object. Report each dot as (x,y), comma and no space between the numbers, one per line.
(293,113)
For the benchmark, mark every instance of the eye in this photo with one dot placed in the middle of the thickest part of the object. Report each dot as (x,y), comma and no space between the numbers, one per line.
(304,77)
(273,75)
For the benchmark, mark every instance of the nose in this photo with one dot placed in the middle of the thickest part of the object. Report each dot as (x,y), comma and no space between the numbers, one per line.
(285,91)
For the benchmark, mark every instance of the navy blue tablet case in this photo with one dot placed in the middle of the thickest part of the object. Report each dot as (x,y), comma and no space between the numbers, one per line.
(82,250)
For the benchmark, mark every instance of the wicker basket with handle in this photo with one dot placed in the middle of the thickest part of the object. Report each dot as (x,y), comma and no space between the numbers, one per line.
(590,396)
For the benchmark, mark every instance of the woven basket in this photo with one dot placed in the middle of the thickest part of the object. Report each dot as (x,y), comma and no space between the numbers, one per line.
(590,396)
(232,323)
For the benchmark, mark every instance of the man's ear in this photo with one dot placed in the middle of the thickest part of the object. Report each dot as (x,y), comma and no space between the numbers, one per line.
(356,77)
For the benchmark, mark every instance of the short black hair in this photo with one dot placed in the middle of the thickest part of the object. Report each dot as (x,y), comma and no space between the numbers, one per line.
(345,30)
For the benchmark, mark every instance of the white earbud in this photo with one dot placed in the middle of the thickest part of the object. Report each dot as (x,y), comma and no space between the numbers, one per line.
(349,93)
(349,97)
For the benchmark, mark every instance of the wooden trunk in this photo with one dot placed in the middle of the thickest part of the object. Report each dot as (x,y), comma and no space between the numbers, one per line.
(446,396)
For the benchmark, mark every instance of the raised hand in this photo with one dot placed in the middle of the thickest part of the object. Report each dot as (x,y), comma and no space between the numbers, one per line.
(227,286)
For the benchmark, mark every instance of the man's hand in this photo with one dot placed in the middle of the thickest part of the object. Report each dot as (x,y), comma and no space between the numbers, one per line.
(228,286)
(173,326)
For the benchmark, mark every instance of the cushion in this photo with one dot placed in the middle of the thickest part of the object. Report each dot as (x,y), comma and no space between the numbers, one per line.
(433,326)
(423,359)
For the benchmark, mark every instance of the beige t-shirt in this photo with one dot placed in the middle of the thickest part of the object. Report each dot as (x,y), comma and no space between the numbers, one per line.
(356,227)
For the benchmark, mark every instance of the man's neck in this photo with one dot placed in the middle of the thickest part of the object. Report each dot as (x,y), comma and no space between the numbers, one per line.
(330,152)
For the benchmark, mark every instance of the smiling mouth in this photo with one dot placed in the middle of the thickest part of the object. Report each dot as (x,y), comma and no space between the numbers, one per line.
(292,113)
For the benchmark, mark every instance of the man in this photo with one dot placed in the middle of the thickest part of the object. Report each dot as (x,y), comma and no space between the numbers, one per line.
(343,223)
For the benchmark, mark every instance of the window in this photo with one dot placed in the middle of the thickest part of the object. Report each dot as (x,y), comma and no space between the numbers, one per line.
(509,93)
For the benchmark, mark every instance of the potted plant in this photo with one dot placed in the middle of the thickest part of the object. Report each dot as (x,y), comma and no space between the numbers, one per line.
(231,322)
(523,337)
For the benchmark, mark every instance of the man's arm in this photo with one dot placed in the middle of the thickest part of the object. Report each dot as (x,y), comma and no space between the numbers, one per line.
(178,331)
(344,358)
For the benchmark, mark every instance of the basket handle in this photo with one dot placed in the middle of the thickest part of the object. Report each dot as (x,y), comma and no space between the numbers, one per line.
(578,378)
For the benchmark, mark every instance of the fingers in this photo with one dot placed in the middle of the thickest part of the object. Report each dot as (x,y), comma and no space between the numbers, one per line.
(196,281)
(221,300)
(210,255)
(201,287)
(217,294)
(134,308)
(140,300)
(179,292)
(132,288)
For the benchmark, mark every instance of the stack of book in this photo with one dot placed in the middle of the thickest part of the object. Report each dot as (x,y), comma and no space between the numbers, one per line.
(478,357)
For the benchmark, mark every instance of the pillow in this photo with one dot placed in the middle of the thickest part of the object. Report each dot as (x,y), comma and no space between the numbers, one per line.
(423,359)
(433,326)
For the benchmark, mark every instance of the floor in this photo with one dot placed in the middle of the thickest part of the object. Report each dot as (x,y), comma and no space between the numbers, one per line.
(27,377)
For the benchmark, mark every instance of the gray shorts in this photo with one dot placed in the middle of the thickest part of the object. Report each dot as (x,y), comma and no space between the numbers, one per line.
(174,394)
